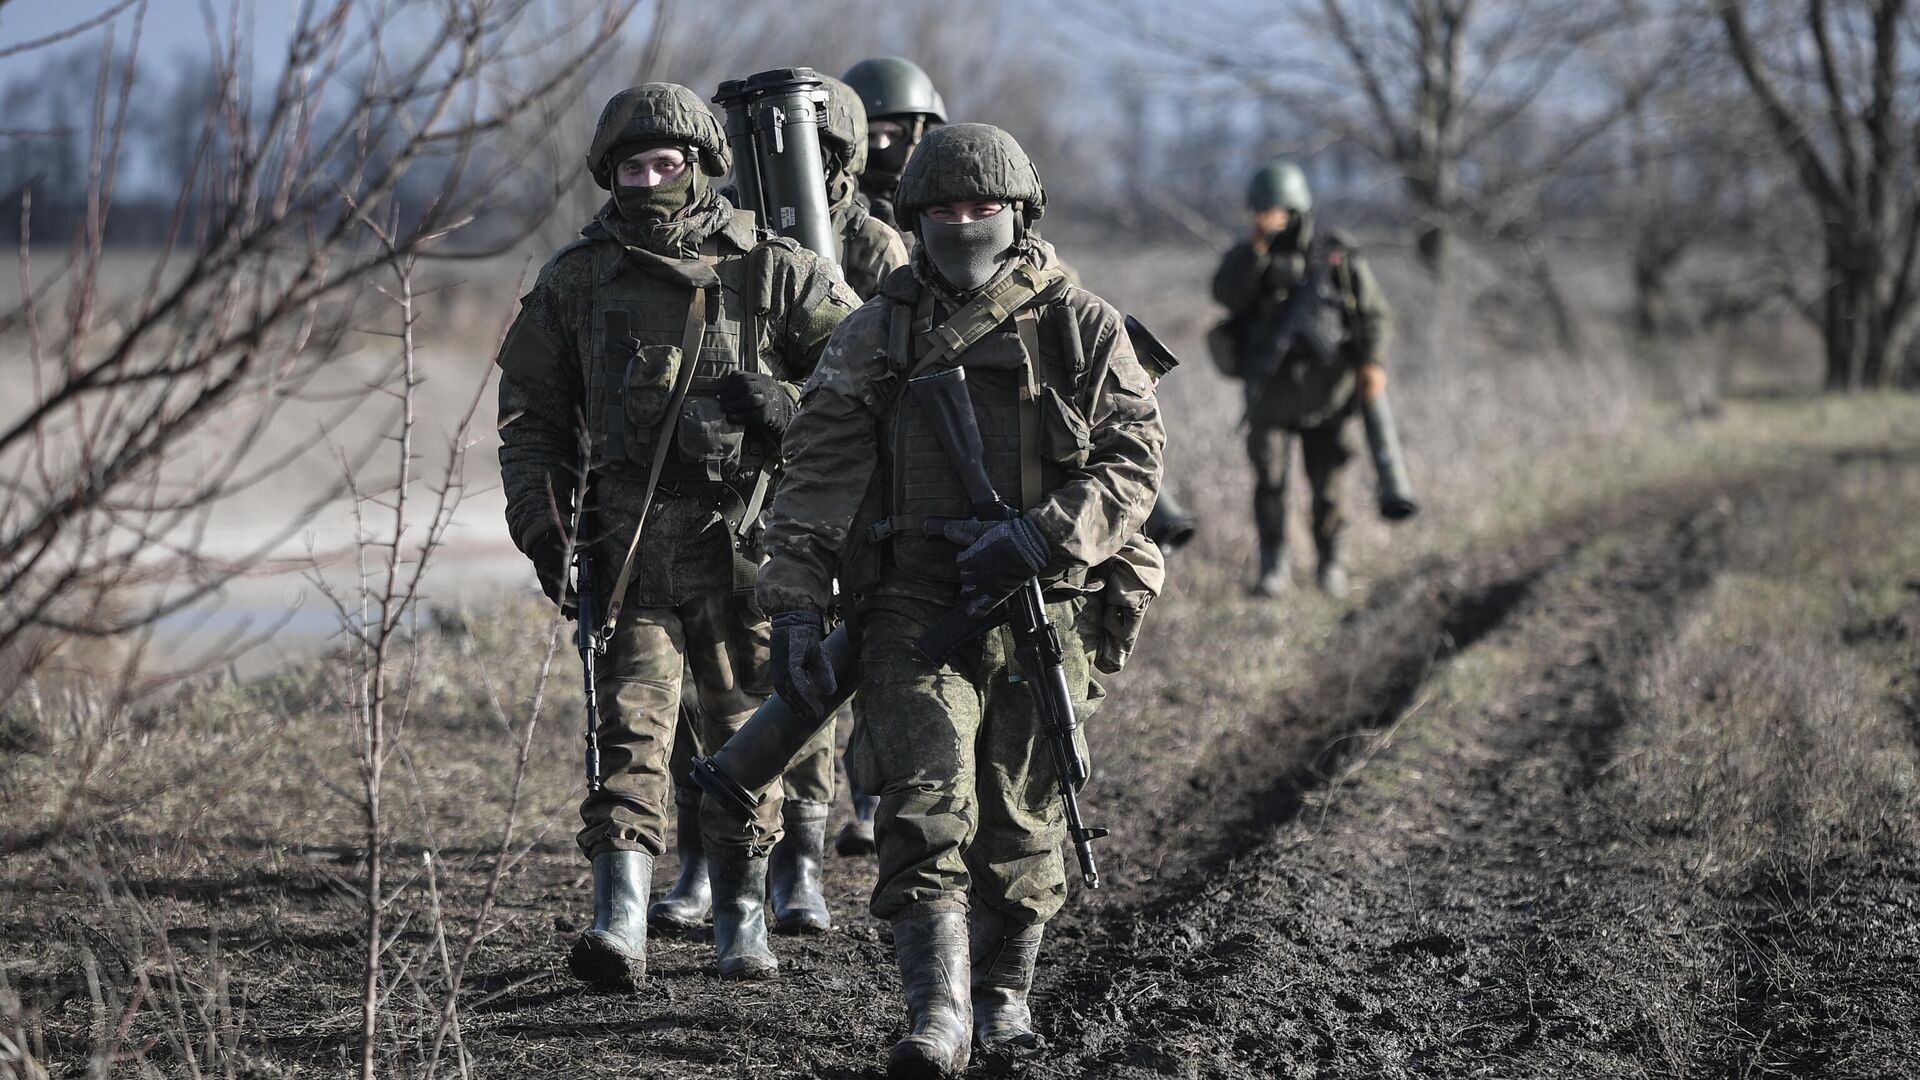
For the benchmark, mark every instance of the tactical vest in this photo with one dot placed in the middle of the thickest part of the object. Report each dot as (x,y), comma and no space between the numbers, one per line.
(1024,465)
(638,325)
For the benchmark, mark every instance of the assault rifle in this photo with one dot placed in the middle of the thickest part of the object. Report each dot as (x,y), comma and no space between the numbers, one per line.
(589,639)
(1037,646)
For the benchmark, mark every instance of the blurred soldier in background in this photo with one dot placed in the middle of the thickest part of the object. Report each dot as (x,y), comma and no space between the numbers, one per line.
(970,822)
(666,297)
(902,106)
(1306,330)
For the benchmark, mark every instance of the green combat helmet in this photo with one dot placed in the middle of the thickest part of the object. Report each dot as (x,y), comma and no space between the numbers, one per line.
(893,86)
(969,161)
(1279,183)
(657,113)
(845,132)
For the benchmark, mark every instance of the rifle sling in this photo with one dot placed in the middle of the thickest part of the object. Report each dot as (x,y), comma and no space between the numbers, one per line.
(690,343)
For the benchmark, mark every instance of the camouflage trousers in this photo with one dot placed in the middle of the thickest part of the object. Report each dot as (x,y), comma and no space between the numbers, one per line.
(719,640)
(969,811)
(1325,451)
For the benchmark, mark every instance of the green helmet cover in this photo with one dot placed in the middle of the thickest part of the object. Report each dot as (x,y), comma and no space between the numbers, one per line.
(657,113)
(845,132)
(968,161)
(893,86)
(1280,183)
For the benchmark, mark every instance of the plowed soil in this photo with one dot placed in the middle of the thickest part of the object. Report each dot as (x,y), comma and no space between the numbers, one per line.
(1433,842)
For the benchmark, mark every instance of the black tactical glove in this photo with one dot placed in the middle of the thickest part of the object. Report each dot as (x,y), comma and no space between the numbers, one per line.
(802,674)
(997,557)
(549,555)
(757,402)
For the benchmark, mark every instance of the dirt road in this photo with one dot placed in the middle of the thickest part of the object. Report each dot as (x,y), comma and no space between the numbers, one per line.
(1629,793)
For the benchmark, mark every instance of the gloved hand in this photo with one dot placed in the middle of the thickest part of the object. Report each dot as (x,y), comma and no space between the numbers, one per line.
(996,558)
(801,672)
(1373,381)
(757,402)
(549,555)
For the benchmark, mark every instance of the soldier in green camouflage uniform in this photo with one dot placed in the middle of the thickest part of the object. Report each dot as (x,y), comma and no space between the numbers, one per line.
(1292,392)
(970,824)
(869,250)
(902,107)
(599,342)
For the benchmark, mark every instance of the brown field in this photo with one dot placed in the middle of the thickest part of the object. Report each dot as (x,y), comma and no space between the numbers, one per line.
(1608,770)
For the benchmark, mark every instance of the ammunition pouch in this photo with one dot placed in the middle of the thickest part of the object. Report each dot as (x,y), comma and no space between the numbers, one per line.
(648,385)
(706,438)
(1223,345)
(1130,581)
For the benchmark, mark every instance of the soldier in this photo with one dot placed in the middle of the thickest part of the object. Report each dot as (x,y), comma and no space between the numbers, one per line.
(870,250)
(668,274)
(902,107)
(969,825)
(1306,365)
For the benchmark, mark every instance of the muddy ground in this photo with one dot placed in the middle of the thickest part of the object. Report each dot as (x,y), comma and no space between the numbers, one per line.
(1627,793)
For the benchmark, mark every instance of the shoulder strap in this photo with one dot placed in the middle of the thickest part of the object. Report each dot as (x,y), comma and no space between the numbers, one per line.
(1027,323)
(690,342)
(982,315)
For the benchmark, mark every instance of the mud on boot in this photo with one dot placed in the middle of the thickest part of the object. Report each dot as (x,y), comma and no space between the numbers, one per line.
(794,868)
(1003,958)
(685,905)
(856,836)
(1331,575)
(932,952)
(740,948)
(612,954)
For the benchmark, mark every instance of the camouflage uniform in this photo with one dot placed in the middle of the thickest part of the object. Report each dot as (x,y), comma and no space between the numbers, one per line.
(969,819)
(1305,396)
(599,338)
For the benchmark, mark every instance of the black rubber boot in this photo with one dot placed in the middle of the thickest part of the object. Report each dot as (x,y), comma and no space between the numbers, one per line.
(685,906)
(856,837)
(1003,960)
(1273,581)
(612,955)
(932,951)
(793,870)
(740,949)
(1331,575)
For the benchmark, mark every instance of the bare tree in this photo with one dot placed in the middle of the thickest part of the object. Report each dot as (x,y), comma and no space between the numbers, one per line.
(1834,82)
(143,410)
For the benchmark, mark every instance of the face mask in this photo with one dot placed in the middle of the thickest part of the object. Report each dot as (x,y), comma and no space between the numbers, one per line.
(969,254)
(890,161)
(661,202)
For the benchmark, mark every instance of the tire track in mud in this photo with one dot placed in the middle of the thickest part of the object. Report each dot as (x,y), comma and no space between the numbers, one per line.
(1461,940)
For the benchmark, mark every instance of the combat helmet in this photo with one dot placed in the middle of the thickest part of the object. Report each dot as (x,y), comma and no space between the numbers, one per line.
(894,86)
(1280,183)
(656,112)
(845,132)
(969,161)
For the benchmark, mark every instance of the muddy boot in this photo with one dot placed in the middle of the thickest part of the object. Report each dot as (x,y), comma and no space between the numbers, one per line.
(1332,573)
(932,951)
(1273,582)
(612,955)
(685,906)
(856,837)
(793,871)
(1003,959)
(740,949)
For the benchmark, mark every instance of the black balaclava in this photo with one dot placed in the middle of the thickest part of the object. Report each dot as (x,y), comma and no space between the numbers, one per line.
(969,254)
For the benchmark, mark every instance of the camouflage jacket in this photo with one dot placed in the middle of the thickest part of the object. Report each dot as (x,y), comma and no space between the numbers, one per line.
(838,467)
(1300,391)
(549,357)
(869,248)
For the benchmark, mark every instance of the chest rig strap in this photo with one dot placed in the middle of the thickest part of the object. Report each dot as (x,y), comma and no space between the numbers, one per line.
(690,342)
(946,342)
